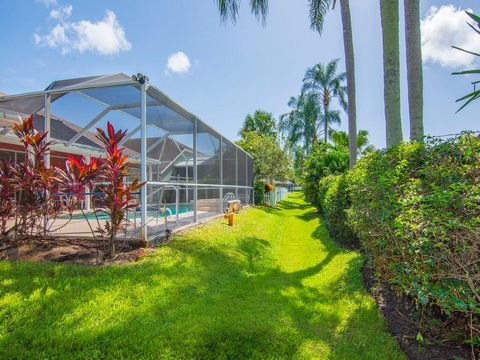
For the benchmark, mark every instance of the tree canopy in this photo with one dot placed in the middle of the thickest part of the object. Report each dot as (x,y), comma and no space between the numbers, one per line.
(270,161)
(261,122)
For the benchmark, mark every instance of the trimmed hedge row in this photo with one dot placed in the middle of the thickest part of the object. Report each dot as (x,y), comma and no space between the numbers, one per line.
(333,200)
(415,209)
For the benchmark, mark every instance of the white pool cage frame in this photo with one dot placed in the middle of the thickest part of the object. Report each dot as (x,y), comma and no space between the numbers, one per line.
(204,170)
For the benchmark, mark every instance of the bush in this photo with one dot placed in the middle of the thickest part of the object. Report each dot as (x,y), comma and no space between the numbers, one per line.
(324,160)
(323,185)
(259,192)
(334,199)
(416,210)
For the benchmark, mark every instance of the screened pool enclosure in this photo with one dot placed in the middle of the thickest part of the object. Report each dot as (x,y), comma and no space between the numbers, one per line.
(189,168)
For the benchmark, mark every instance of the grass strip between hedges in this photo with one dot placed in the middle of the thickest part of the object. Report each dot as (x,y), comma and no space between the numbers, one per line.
(273,286)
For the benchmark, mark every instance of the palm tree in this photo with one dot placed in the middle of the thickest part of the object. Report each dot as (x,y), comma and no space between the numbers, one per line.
(317,12)
(300,124)
(391,70)
(341,141)
(326,83)
(475,95)
(261,122)
(414,68)
(306,123)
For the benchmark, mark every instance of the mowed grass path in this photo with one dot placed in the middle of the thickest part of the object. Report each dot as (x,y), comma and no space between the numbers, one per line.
(273,286)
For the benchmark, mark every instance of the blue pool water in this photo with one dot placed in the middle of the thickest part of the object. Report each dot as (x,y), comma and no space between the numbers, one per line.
(182,208)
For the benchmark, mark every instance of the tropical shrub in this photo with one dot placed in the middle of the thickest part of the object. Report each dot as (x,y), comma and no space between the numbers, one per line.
(324,160)
(334,200)
(74,181)
(35,195)
(118,196)
(7,195)
(416,210)
(34,182)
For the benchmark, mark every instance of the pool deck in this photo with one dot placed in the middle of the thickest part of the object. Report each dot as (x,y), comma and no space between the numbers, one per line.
(156,226)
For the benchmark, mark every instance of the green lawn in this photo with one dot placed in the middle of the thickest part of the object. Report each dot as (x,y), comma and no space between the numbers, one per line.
(273,286)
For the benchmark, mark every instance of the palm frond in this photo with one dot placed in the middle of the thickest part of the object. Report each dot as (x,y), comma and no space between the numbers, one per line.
(465,72)
(466,51)
(474,17)
(317,10)
(260,9)
(471,97)
(331,70)
(228,9)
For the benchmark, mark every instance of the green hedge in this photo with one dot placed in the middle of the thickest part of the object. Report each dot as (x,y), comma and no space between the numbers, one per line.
(259,192)
(334,201)
(416,210)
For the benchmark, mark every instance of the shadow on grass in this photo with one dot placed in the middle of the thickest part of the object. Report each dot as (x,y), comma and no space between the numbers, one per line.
(308,216)
(193,299)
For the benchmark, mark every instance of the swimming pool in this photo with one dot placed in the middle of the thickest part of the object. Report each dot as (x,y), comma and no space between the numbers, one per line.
(151,212)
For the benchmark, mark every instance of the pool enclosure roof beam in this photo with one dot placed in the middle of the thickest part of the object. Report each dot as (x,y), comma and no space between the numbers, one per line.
(156,143)
(67,90)
(87,127)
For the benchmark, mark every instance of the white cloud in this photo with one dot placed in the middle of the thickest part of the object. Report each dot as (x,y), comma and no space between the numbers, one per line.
(178,63)
(105,37)
(57,37)
(61,13)
(47,2)
(443,27)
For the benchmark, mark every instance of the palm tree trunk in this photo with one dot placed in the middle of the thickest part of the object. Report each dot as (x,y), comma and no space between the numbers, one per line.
(325,125)
(351,91)
(391,70)
(414,68)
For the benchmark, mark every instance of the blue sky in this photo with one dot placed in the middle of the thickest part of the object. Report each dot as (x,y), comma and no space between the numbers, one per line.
(225,71)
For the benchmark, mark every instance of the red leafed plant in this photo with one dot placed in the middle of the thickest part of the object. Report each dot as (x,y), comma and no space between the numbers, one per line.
(7,195)
(118,196)
(76,178)
(75,181)
(34,182)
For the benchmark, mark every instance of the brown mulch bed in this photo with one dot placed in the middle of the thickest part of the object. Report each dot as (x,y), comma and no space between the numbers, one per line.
(65,250)
(402,320)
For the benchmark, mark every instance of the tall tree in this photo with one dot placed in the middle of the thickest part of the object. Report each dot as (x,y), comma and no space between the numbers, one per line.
(414,68)
(351,87)
(300,125)
(306,122)
(261,122)
(391,70)
(324,82)
(317,12)
(271,161)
